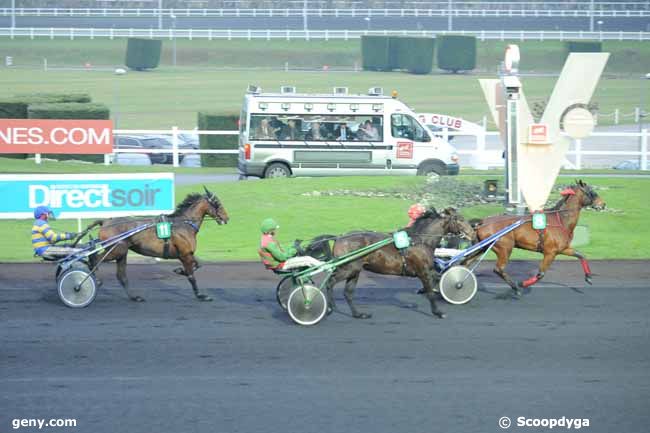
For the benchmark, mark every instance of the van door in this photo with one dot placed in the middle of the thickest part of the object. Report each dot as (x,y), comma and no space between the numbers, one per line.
(410,142)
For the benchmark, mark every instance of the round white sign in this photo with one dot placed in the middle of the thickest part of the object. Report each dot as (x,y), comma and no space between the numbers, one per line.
(578,123)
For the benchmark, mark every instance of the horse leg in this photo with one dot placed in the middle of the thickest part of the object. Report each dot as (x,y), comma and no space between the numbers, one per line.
(350,285)
(424,274)
(583,261)
(543,267)
(188,269)
(195,266)
(329,292)
(124,281)
(503,255)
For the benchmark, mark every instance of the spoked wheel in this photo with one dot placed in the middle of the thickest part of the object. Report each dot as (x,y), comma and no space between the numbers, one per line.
(76,286)
(307,305)
(282,293)
(458,285)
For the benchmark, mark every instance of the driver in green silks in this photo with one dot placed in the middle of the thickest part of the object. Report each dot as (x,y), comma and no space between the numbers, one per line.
(274,256)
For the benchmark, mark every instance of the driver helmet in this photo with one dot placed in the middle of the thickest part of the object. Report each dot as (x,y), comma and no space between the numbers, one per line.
(416,210)
(268,225)
(43,210)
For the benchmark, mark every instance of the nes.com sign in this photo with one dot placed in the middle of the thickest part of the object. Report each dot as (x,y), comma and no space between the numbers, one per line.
(84,196)
(56,136)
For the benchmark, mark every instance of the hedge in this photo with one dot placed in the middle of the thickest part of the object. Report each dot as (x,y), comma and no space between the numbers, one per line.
(218,122)
(143,53)
(456,53)
(375,53)
(583,46)
(15,107)
(73,110)
(384,53)
(416,54)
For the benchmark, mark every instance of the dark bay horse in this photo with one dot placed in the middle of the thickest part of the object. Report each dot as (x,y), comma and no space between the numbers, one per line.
(554,240)
(415,261)
(186,222)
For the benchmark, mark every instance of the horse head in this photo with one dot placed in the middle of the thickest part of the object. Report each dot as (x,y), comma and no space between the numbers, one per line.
(456,224)
(431,226)
(586,194)
(215,209)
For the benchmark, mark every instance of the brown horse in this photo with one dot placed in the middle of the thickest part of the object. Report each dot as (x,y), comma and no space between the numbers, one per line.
(554,240)
(186,222)
(415,261)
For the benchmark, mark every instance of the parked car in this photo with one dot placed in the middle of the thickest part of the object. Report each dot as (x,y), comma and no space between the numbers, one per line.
(191,140)
(630,164)
(146,142)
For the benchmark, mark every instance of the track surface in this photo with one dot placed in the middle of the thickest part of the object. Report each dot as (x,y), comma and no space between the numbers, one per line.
(238,364)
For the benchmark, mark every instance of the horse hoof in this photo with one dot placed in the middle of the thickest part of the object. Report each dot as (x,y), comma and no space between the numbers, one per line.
(329,311)
(362,316)
(204,298)
(421,291)
(137,298)
(588,279)
(440,315)
(180,271)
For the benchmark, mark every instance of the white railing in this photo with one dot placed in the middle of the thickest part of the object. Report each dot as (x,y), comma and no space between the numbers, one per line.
(514,11)
(486,158)
(112,33)
(480,155)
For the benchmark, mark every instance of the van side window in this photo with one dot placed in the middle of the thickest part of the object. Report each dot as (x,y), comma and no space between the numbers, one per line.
(316,127)
(404,126)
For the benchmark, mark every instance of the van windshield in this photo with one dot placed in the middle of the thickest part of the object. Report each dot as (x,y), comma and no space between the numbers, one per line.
(316,127)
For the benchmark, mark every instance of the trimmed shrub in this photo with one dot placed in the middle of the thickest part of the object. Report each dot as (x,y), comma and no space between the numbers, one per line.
(71,110)
(456,53)
(143,53)
(416,54)
(583,46)
(218,122)
(375,53)
(15,107)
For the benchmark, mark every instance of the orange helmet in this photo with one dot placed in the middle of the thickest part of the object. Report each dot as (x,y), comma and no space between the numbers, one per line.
(416,210)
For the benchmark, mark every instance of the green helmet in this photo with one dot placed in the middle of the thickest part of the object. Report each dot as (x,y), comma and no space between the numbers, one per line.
(268,225)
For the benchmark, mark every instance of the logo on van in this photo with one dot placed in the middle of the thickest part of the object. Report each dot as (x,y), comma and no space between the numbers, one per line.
(404,150)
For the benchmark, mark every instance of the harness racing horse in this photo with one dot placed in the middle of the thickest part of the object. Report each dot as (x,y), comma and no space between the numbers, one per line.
(415,261)
(186,222)
(554,240)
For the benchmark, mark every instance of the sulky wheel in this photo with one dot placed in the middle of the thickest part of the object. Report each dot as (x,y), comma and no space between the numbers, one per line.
(307,305)
(77,288)
(458,285)
(285,287)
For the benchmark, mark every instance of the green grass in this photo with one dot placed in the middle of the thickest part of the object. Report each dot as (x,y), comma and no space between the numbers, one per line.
(614,235)
(628,57)
(164,98)
(170,96)
(8,165)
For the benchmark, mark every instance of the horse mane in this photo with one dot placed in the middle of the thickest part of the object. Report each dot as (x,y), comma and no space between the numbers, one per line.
(429,214)
(186,204)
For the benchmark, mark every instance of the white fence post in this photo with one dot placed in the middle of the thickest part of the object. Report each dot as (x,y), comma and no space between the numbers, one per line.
(637,114)
(644,149)
(616,114)
(578,147)
(175,146)
(107,159)
(37,158)
(480,141)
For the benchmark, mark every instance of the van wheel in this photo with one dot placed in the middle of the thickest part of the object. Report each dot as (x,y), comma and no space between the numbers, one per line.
(277,169)
(430,168)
